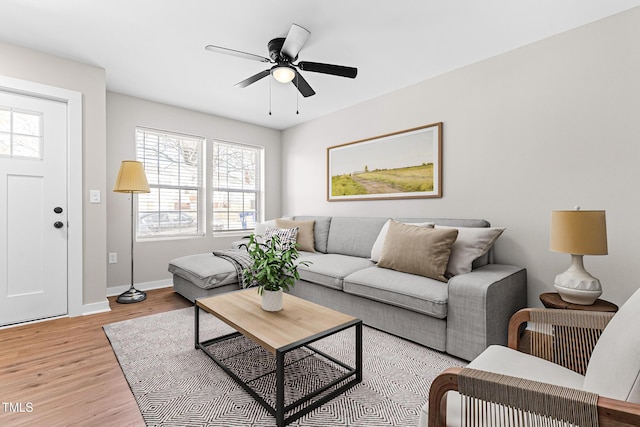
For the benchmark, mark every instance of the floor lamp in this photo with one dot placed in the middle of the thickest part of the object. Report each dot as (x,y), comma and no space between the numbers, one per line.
(131,179)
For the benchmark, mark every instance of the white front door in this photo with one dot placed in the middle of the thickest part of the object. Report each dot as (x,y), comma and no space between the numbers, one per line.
(33,208)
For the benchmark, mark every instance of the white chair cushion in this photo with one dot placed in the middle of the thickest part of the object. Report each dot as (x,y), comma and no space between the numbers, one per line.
(505,361)
(614,367)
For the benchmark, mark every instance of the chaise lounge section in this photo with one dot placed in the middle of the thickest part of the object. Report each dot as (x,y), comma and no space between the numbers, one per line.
(357,267)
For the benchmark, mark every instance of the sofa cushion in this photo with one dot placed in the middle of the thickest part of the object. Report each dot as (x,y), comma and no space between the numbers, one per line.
(416,293)
(304,238)
(353,235)
(417,250)
(614,367)
(320,230)
(330,269)
(378,245)
(204,270)
(452,222)
(471,243)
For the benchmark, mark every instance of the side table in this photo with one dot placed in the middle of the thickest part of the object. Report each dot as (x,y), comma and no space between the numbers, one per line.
(553,300)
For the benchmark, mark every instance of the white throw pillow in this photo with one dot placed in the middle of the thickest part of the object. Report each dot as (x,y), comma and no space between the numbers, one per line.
(471,243)
(376,250)
(261,227)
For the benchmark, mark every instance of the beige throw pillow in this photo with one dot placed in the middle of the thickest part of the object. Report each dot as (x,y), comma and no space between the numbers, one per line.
(417,250)
(306,241)
(376,250)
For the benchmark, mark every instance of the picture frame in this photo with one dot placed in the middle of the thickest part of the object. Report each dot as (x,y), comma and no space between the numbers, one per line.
(399,165)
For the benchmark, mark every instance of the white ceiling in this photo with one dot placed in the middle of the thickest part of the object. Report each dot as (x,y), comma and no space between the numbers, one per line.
(154,49)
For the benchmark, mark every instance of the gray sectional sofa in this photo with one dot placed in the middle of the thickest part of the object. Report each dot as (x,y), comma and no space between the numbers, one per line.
(462,315)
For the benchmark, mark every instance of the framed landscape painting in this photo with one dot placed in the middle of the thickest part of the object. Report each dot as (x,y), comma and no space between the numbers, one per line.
(399,165)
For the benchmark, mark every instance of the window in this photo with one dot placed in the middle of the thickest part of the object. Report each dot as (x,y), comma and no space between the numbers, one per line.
(173,165)
(237,186)
(20,133)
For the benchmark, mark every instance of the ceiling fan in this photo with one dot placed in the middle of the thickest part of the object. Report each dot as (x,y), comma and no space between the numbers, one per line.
(283,52)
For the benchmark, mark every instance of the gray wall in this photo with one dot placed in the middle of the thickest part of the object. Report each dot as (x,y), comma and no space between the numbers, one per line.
(27,64)
(548,126)
(124,113)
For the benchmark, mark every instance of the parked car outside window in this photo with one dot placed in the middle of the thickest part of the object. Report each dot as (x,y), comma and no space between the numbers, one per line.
(165,220)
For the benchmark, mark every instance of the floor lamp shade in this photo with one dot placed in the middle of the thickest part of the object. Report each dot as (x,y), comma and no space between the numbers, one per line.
(131,179)
(578,233)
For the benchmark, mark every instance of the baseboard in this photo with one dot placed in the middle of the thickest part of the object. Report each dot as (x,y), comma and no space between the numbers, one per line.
(145,286)
(96,307)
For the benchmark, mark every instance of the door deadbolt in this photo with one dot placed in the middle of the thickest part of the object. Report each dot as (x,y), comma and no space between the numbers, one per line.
(57,210)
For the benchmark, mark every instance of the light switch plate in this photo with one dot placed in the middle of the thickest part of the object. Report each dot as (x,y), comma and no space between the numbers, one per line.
(94,196)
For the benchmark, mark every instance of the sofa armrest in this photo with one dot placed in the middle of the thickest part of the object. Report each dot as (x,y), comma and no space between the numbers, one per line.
(480,305)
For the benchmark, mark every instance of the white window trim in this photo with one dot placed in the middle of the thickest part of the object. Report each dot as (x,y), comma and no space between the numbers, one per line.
(202,190)
(260,208)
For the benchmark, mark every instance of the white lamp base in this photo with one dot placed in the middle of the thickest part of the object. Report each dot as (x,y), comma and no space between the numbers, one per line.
(577,296)
(576,285)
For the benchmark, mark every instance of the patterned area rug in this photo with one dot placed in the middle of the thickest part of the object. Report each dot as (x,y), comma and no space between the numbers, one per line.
(176,385)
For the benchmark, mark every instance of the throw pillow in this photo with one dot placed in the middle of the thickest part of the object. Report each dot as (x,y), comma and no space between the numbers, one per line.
(261,227)
(417,250)
(376,250)
(287,236)
(305,239)
(471,243)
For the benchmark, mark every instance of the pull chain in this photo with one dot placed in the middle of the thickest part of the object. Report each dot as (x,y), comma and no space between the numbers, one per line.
(297,95)
(270,96)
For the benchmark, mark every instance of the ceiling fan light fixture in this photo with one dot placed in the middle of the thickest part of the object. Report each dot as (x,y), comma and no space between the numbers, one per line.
(283,73)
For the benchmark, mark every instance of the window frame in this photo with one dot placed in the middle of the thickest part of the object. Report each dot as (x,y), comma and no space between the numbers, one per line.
(259,191)
(199,189)
(12,134)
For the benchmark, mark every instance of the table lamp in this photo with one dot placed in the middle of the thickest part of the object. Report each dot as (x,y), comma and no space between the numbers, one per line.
(578,233)
(131,179)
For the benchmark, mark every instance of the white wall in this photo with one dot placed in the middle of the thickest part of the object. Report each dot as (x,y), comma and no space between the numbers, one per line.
(124,113)
(29,65)
(548,126)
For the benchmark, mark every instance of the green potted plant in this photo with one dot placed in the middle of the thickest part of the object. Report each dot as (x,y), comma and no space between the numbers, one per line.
(274,269)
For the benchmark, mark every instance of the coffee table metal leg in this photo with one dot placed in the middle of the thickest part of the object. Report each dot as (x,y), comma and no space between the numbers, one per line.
(279,388)
(197,325)
(359,352)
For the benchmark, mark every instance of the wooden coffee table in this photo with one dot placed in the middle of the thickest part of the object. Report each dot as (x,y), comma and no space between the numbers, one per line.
(297,325)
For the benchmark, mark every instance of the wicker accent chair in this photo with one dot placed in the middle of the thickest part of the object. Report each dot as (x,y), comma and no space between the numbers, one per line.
(568,368)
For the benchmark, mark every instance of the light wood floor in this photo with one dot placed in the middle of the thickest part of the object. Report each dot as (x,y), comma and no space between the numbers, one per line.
(66,372)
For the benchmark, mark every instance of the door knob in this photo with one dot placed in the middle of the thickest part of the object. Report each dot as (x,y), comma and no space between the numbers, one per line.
(58,224)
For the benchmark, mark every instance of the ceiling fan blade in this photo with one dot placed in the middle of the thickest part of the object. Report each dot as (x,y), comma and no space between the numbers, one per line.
(302,85)
(336,70)
(296,38)
(253,79)
(238,53)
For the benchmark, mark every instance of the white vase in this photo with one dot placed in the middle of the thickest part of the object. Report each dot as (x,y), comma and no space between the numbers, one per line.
(272,300)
